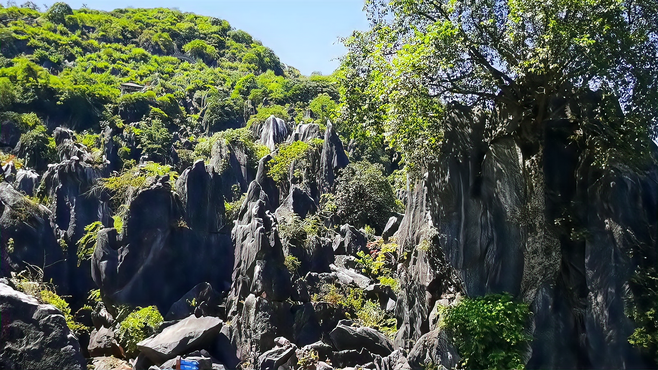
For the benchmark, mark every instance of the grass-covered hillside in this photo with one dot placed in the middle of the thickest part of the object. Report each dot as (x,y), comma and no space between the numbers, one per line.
(152,72)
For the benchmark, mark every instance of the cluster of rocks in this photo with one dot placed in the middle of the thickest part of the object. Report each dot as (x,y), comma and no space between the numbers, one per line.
(252,311)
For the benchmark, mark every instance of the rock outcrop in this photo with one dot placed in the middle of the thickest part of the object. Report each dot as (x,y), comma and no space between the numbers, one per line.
(35,336)
(333,159)
(274,131)
(545,225)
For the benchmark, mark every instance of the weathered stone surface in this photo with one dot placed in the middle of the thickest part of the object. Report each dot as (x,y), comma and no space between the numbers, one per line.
(158,258)
(102,343)
(503,216)
(27,181)
(28,227)
(274,131)
(297,202)
(351,358)
(188,334)
(350,241)
(433,348)
(333,159)
(391,227)
(110,363)
(35,336)
(306,132)
(200,191)
(284,354)
(345,337)
(394,361)
(351,277)
(231,161)
(206,299)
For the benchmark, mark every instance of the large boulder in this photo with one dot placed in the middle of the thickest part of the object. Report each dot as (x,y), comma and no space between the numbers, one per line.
(183,337)
(298,202)
(274,131)
(102,343)
(35,336)
(206,303)
(231,161)
(69,186)
(350,241)
(433,348)
(27,181)
(348,337)
(200,190)
(284,354)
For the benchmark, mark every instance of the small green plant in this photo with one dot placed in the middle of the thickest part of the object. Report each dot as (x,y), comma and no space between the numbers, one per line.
(389,281)
(52,298)
(118,223)
(137,326)
(488,331)
(292,263)
(87,243)
(371,315)
(307,359)
(232,209)
(94,296)
(10,245)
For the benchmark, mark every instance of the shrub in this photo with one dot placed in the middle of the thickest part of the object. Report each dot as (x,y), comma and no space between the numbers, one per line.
(265,112)
(132,180)
(154,139)
(292,263)
(280,165)
(488,331)
(50,297)
(58,12)
(137,326)
(364,196)
(87,243)
(324,108)
(37,147)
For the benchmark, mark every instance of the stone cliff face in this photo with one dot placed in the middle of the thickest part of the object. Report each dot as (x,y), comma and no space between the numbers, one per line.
(546,226)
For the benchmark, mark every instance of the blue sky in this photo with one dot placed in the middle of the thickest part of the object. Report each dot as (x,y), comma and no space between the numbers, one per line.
(303,33)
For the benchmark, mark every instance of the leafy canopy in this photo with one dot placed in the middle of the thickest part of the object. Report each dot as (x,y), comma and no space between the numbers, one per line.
(424,59)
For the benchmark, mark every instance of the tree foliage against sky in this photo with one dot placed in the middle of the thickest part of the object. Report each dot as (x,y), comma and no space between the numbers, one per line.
(511,57)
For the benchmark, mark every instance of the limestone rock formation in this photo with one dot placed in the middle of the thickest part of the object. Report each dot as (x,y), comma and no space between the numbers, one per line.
(35,336)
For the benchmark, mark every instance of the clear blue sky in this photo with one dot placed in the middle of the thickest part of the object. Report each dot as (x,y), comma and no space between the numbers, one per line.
(303,33)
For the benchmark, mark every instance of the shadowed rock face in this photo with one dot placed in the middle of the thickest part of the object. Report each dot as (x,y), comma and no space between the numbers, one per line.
(495,217)
(35,336)
(34,243)
(159,258)
(333,159)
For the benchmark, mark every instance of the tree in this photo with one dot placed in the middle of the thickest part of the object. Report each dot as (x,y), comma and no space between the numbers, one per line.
(324,108)
(509,57)
(364,196)
(58,12)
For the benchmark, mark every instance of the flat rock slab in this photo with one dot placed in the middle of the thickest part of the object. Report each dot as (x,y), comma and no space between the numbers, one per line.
(187,335)
(347,337)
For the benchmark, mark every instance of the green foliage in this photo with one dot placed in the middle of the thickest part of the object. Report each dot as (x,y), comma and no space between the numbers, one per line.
(58,13)
(200,49)
(364,196)
(423,61)
(137,326)
(50,297)
(130,181)
(232,209)
(292,263)
(300,232)
(87,243)
(324,108)
(489,331)
(154,139)
(279,167)
(642,309)
(265,112)
(37,147)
